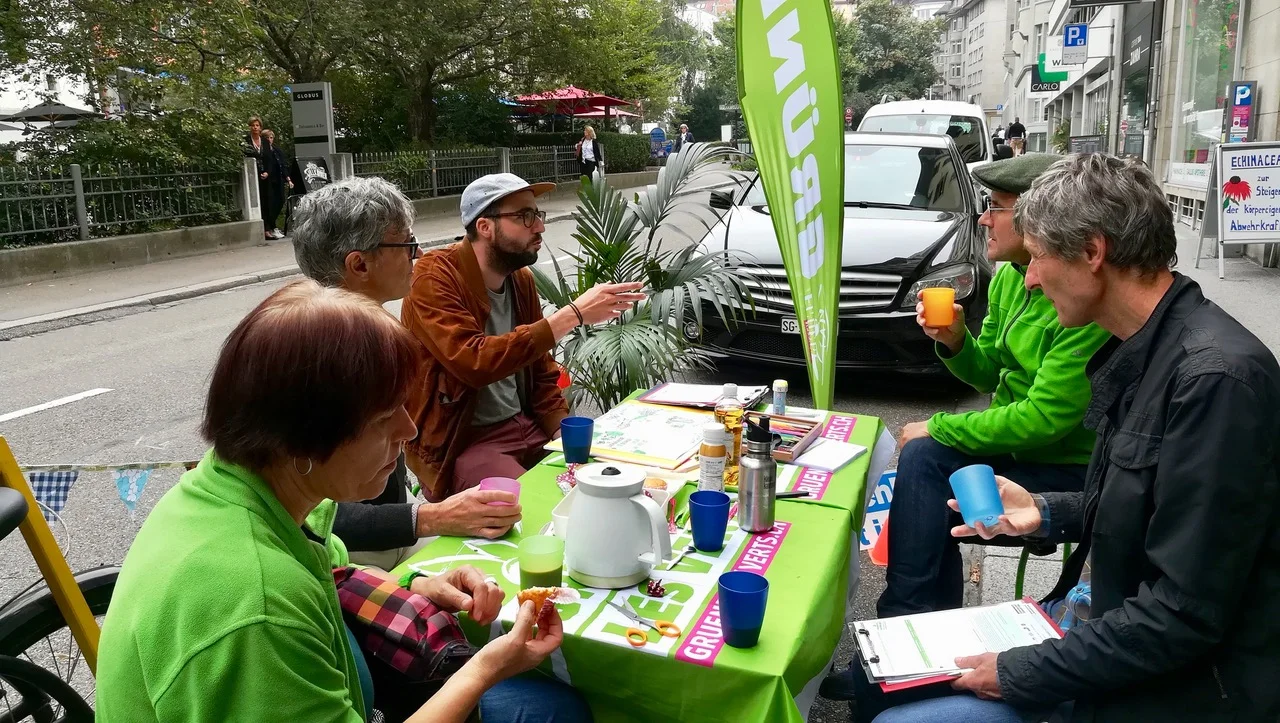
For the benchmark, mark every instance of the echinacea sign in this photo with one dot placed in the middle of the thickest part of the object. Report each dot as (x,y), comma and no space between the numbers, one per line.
(1248,177)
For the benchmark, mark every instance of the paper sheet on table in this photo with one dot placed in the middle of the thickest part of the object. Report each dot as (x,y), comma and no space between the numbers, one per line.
(646,434)
(830,455)
(811,415)
(698,395)
(912,646)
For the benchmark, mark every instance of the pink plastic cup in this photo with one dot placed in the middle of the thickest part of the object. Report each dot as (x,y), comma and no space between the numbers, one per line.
(505,484)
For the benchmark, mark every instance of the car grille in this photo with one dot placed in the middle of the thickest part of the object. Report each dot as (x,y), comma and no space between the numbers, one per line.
(859,291)
(789,346)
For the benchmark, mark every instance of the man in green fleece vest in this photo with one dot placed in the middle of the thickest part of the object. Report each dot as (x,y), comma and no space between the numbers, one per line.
(1032,432)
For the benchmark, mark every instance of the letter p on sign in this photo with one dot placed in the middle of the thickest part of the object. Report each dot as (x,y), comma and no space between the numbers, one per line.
(1242,94)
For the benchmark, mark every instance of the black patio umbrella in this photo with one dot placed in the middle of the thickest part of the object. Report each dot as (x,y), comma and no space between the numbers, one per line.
(4,127)
(50,113)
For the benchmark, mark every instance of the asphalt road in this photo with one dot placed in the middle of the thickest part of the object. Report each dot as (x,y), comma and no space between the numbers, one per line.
(156,364)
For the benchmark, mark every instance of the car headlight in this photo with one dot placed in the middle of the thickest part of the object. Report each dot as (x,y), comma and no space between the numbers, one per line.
(963,278)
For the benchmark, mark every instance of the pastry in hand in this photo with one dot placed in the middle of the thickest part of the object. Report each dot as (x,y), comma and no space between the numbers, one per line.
(544,598)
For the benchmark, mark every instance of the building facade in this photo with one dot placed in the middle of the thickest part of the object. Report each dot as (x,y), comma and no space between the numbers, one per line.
(1205,45)
(971,54)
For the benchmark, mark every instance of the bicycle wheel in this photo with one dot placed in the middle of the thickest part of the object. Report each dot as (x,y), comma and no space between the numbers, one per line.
(32,629)
(45,698)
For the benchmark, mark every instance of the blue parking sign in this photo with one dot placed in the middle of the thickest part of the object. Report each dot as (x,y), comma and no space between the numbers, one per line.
(1075,43)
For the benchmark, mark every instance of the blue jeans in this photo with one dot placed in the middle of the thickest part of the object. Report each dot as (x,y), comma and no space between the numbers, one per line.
(533,698)
(955,708)
(924,559)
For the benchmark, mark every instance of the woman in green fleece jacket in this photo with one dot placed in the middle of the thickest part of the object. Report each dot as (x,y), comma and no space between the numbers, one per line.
(226,608)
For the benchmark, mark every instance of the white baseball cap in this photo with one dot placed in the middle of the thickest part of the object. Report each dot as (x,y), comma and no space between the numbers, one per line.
(485,190)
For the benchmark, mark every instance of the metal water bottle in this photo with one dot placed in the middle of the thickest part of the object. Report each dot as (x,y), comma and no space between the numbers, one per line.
(757,479)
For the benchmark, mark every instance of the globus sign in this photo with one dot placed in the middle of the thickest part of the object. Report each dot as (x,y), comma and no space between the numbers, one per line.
(790,99)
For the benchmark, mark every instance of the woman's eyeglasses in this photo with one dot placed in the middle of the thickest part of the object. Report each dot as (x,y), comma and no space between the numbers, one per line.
(527,216)
(411,245)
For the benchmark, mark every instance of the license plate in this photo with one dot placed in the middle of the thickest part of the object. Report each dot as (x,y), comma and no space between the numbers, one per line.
(790,325)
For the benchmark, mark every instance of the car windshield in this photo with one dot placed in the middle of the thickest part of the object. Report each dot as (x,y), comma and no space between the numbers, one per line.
(893,176)
(964,130)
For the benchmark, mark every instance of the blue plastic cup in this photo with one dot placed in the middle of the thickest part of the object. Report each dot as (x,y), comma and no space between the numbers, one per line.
(575,435)
(978,495)
(708,518)
(743,596)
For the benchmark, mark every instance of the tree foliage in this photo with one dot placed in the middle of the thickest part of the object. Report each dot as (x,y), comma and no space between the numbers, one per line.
(404,71)
(882,49)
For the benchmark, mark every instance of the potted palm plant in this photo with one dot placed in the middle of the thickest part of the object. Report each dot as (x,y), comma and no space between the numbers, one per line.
(621,241)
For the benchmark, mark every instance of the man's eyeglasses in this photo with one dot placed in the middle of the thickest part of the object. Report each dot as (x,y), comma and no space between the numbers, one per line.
(988,204)
(411,245)
(527,216)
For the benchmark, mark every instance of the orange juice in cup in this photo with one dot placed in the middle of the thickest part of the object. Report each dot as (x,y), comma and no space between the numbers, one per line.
(939,306)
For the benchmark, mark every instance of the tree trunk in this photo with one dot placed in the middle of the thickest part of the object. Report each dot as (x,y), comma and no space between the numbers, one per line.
(422,112)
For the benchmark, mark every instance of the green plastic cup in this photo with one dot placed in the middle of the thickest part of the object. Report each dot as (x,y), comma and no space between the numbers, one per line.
(541,561)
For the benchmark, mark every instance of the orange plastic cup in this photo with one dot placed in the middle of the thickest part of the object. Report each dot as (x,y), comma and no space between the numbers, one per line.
(939,306)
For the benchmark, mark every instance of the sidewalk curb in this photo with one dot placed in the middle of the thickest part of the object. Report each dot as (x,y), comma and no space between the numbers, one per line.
(111,309)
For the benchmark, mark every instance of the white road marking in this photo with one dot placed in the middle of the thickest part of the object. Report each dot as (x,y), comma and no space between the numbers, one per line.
(51,405)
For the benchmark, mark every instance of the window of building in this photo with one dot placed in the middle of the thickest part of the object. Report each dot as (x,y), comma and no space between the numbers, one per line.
(955,70)
(957,47)
(1206,66)
(1038,36)
(51,83)
(1024,4)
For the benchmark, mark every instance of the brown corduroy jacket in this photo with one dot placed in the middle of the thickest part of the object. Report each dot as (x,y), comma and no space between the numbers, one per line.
(446,309)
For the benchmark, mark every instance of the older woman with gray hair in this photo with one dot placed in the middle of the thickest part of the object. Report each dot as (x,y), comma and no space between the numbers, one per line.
(357,234)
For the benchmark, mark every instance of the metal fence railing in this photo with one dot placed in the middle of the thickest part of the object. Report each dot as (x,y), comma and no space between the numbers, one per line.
(545,163)
(36,202)
(64,203)
(424,174)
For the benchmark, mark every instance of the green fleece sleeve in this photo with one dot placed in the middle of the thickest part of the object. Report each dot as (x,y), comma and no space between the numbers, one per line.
(974,364)
(977,362)
(1054,405)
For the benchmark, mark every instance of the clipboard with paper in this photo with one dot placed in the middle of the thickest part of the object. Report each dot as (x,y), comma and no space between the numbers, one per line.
(913,650)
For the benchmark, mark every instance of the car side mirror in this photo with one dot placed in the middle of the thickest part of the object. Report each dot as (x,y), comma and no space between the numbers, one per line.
(722,200)
(1003,151)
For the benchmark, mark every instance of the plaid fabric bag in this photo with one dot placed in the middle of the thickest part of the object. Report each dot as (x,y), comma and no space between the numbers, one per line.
(400,628)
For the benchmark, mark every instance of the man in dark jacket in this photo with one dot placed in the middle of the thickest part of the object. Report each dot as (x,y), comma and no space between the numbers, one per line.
(1180,516)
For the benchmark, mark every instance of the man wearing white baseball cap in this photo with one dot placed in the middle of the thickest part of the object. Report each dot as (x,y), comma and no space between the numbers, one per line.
(488,400)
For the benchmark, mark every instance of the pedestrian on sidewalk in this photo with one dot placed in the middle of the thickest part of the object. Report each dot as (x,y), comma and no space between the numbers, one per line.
(590,153)
(683,138)
(357,234)
(1179,520)
(255,147)
(278,178)
(1017,137)
(488,400)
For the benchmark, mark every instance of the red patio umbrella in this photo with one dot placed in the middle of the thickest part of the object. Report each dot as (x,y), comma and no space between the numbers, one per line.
(571,101)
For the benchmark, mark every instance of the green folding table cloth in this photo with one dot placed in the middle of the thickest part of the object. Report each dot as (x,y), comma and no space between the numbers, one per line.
(806,558)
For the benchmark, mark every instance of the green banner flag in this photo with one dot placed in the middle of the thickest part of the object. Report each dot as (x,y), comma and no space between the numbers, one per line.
(789,81)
